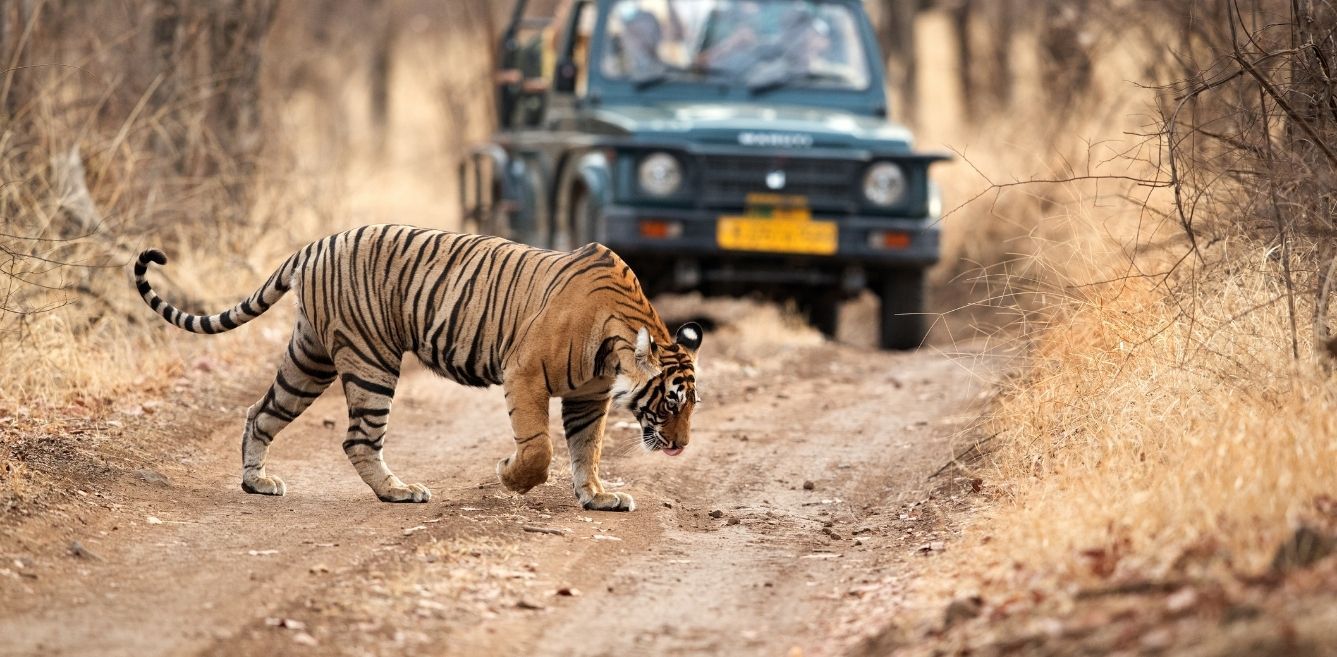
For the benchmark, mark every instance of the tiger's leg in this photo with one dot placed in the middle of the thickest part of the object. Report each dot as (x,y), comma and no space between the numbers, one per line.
(369,391)
(305,372)
(583,420)
(527,404)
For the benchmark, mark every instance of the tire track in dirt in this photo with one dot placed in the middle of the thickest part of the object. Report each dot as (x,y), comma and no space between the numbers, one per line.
(459,576)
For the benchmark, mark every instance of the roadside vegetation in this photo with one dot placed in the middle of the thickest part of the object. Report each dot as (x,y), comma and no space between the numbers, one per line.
(1159,474)
(227,134)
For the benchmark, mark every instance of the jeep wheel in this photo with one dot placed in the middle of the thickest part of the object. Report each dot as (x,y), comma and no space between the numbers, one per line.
(586,219)
(530,223)
(903,324)
(566,225)
(822,310)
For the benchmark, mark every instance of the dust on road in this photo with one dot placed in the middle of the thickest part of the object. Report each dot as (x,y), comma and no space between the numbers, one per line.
(763,537)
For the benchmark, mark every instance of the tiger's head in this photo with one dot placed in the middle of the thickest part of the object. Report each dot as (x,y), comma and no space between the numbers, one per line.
(660,390)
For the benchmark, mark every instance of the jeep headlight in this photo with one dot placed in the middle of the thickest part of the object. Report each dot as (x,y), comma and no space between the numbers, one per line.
(660,174)
(884,184)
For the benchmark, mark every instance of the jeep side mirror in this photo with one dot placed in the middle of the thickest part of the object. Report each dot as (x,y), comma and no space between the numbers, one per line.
(565,77)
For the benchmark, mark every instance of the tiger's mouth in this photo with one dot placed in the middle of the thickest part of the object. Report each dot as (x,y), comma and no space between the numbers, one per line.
(655,442)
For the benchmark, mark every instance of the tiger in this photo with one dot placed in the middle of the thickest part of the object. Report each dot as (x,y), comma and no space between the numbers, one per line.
(481,311)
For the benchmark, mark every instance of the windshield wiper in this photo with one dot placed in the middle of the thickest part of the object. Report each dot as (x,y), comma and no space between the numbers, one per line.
(679,73)
(789,80)
(663,73)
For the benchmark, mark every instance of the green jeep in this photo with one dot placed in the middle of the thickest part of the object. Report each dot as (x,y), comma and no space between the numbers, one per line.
(723,146)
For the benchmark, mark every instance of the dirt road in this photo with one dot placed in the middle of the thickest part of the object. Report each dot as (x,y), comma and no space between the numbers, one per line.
(786,509)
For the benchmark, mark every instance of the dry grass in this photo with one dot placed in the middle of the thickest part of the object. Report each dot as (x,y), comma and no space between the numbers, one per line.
(75,339)
(71,325)
(1145,427)
(1159,423)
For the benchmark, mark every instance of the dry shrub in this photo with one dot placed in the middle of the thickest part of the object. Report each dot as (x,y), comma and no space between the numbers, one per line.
(228,134)
(1142,430)
(1174,400)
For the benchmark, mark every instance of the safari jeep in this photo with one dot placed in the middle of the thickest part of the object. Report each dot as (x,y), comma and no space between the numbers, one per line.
(722,146)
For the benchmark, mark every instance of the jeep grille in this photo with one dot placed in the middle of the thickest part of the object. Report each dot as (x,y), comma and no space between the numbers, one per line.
(829,184)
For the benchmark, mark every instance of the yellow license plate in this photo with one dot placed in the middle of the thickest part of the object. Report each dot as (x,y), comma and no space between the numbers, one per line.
(778,235)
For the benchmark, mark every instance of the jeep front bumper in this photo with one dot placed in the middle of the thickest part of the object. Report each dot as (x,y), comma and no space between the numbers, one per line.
(687,240)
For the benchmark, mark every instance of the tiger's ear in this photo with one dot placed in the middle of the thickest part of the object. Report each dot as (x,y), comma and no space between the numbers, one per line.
(645,351)
(689,335)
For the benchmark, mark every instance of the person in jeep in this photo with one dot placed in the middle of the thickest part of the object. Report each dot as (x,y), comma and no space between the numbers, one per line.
(749,40)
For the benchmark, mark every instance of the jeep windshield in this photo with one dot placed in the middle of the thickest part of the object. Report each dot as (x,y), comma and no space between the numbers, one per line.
(753,44)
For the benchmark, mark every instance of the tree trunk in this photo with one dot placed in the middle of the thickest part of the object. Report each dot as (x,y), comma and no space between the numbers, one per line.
(1000,82)
(896,37)
(1065,63)
(17,79)
(381,62)
(965,58)
(237,32)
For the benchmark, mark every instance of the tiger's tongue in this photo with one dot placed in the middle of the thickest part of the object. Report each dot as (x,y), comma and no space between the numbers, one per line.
(674,451)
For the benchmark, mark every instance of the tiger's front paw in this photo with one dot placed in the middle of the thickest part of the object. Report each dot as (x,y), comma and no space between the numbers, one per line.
(609,502)
(259,484)
(517,480)
(406,493)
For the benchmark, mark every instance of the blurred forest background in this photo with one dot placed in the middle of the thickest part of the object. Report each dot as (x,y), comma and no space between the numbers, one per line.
(1143,201)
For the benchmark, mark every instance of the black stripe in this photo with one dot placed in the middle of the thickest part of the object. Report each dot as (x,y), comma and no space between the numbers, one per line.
(368,412)
(577,429)
(309,371)
(294,390)
(273,408)
(374,444)
(369,386)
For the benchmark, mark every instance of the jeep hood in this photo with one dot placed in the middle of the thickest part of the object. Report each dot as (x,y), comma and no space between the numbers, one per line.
(750,124)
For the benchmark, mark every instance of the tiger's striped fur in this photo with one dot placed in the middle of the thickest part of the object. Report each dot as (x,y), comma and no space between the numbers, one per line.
(475,309)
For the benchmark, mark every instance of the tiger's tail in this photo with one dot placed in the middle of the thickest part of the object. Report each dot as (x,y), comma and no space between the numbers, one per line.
(254,306)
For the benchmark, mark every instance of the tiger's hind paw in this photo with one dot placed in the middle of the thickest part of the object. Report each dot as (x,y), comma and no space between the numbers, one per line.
(610,502)
(416,493)
(263,485)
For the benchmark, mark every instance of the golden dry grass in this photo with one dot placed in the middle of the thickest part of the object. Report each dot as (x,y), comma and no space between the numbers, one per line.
(1152,416)
(1146,425)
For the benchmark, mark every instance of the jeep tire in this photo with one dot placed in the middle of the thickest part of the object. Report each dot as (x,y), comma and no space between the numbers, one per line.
(903,324)
(822,310)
